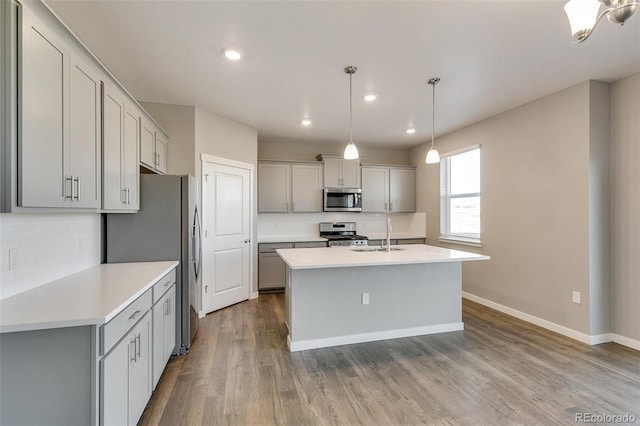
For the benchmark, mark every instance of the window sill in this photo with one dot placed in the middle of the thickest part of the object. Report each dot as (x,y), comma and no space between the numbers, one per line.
(460,240)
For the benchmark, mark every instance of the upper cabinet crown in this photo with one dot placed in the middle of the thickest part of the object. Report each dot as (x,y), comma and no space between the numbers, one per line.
(339,172)
(59,144)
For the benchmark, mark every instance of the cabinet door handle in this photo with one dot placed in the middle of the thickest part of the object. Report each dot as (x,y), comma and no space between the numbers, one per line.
(293,206)
(138,346)
(247,241)
(390,206)
(132,354)
(76,195)
(135,315)
(70,180)
(168,306)
(124,197)
(385,206)
(287,205)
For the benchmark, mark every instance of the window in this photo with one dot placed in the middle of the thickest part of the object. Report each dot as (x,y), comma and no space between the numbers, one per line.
(460,196)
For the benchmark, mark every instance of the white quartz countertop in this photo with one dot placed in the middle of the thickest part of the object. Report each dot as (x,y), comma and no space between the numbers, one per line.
(340,257)
(90,297)
(290,239)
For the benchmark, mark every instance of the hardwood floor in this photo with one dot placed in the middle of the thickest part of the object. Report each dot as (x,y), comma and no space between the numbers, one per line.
(499,370)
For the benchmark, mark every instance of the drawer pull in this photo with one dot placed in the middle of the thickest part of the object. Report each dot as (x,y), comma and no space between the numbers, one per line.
(135,315)
(167,284)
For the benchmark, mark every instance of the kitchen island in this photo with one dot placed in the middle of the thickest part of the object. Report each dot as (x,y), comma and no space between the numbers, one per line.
(342,295)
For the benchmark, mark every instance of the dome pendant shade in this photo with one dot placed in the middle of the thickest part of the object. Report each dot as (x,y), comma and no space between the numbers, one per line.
(350,151)
(432,156)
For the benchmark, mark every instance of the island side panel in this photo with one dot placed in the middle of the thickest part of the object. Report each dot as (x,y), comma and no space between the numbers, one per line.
(48,377)
(326,303)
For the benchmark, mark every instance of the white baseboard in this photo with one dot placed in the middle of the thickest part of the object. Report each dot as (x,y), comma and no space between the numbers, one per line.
(626,341)
(565,331)
(254,295)
(372,337)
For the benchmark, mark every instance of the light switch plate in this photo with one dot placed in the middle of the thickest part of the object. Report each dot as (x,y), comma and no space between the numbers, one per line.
(14,258)
(576,297)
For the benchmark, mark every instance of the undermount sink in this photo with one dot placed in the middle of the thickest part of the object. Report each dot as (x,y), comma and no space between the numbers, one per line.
(370,249)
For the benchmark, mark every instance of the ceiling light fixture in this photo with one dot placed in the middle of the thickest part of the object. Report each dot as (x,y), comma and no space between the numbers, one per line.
(370,98)
(350,151)
(432,155)
(583,14)
(306,122)
(411,131)
(232,54)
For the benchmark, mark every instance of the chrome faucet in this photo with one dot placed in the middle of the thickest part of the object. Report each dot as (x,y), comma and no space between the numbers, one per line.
(389,234)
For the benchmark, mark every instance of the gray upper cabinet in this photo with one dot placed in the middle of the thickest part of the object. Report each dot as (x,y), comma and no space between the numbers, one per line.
(284,187)
(388,189)
(121,138)
(339,172)
(45,76)
(84,135)
(153,146)
(59,146)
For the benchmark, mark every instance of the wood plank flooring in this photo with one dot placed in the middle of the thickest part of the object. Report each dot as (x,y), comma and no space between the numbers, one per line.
(498,371)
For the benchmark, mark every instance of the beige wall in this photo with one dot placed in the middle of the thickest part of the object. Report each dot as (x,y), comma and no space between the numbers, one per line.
(535,206)
(625,206)
(308,150)
(179,123)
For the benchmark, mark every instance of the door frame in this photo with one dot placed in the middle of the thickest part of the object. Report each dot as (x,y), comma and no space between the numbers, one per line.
(206,158)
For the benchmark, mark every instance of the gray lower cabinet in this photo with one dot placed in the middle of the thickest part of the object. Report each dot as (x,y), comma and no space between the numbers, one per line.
(164,331)
(125,371)
(126,377)
(396,241)
(271,268)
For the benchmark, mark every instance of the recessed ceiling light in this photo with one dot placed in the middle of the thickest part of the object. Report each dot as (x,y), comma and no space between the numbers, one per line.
(232,54)
(411,131)
(306,122)
(370,97)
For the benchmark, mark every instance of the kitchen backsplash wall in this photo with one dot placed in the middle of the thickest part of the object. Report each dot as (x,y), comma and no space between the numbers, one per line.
(38,248)
(372,225)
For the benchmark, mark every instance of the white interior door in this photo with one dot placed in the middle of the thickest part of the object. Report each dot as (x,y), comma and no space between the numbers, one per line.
(226,257)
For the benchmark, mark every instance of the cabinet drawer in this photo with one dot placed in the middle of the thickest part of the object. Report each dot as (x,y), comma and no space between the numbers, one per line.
(272,247)
(162,286)
(310,244)
(113,331)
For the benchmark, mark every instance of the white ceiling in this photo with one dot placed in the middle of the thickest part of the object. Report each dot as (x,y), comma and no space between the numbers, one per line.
(492,56)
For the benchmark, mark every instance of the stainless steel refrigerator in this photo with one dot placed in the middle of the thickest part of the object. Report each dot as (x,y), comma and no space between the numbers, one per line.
(167,227)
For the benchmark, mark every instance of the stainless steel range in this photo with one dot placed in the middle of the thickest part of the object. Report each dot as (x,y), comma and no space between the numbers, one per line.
(342,234)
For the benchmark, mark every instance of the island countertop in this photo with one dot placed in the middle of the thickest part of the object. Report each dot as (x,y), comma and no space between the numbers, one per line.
(340,257)
(90,297)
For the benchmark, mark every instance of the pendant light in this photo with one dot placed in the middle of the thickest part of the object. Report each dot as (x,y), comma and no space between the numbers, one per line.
(350,151)
(432,156)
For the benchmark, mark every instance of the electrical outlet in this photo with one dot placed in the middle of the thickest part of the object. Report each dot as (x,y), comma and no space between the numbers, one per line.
(365,298)
(14,258)
(576,297)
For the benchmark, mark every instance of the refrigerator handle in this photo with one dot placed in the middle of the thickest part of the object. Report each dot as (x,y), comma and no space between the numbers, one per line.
(196,241)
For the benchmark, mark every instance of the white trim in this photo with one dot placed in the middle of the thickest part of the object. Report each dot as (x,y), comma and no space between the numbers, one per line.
(462,241)
(626,341)
(206,158)
(372,337)
(576,335)
(254,295)
(460,150)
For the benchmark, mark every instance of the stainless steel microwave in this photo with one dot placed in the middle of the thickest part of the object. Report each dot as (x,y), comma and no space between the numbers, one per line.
(342,200)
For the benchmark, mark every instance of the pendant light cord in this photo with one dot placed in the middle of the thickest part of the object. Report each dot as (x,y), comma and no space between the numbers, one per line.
(350,101)
(433,115)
